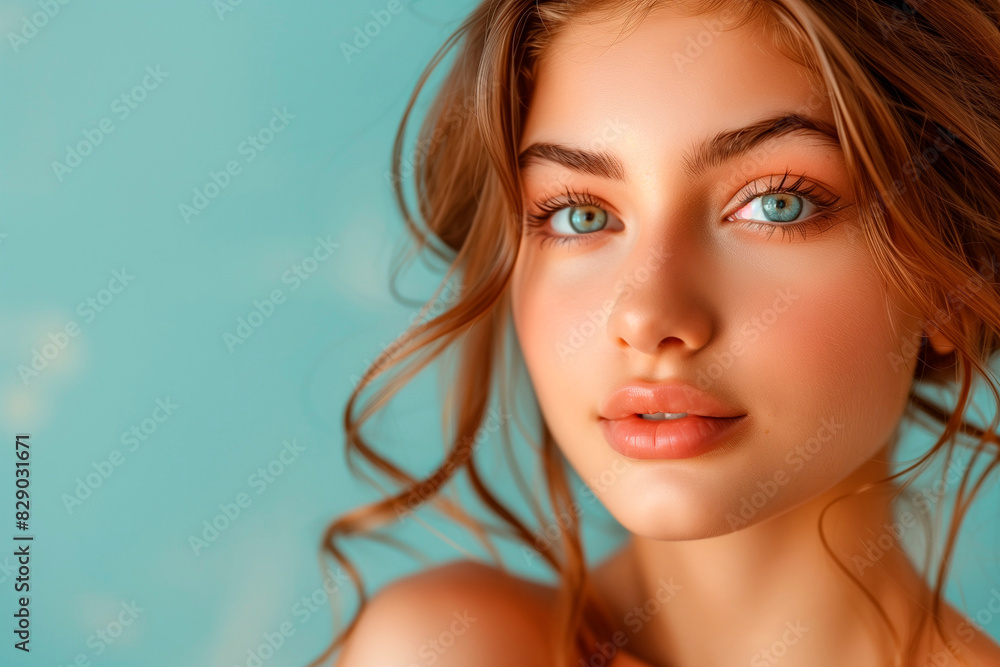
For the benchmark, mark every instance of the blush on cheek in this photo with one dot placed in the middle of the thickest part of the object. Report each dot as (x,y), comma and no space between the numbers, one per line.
(557,341)
(559,314)
(560,353)
(537,319)
(831,356)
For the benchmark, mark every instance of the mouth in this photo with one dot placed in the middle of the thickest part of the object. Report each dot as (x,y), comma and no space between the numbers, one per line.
(660,416)
(668,435)
(666,420)
(664,401)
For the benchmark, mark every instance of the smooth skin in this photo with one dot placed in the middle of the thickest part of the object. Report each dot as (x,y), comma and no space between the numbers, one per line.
(675,278)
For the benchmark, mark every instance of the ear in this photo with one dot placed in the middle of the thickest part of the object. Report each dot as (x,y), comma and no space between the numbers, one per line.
(937,339)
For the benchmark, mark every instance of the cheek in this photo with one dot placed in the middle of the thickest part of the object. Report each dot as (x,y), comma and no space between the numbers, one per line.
(549,307)
(538,313)
(565,295)
(561,308)
(842,351)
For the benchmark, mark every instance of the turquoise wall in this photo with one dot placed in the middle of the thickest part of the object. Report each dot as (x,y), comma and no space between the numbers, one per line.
(195,247)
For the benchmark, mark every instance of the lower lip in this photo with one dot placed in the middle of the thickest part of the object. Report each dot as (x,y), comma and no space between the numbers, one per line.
(682,438)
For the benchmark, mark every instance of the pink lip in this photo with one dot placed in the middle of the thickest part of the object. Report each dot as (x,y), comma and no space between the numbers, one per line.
(647,398)
(682,438)
(708,420)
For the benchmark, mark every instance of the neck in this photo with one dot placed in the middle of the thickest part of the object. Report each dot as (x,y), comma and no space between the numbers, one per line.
(772,591)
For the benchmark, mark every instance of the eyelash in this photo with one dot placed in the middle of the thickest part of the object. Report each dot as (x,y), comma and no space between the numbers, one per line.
(812,193)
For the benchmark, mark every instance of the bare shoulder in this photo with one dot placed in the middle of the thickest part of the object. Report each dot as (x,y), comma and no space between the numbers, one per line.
(458,613)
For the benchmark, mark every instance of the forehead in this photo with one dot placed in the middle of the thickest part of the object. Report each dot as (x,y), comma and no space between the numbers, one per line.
(673,77)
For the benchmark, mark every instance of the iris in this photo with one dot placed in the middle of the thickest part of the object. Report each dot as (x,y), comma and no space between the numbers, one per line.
(781,207)
(587,218)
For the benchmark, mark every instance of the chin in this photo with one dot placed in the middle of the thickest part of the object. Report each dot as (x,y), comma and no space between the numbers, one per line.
(676,517)
(678,501)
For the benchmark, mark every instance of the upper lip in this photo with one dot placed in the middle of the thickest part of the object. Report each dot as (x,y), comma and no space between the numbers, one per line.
(640,397)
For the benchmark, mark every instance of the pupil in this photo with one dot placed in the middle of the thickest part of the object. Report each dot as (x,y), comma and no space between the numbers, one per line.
(587,218)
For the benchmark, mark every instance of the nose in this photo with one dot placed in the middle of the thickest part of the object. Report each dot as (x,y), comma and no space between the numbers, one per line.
(659,304)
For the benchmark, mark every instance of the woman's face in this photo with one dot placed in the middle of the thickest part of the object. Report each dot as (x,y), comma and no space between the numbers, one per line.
(672,263)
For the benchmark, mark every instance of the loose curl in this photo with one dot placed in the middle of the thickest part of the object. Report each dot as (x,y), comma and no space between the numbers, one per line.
(915,90)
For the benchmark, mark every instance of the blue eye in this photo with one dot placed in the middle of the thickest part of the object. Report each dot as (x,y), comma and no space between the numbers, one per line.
(579,219)
(795,208)
(576,217)
(775,207)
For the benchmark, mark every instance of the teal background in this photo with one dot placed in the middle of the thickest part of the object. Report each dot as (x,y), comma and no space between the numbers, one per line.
(162,337)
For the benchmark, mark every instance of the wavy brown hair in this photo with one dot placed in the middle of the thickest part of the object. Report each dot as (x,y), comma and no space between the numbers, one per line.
(915,89)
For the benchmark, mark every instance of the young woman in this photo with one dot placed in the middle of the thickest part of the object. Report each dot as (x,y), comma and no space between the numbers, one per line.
(731,240)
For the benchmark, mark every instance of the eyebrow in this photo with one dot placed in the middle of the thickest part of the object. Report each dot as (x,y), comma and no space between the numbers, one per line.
(716,151)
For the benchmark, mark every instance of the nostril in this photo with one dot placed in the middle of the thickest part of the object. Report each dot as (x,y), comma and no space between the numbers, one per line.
(666,342)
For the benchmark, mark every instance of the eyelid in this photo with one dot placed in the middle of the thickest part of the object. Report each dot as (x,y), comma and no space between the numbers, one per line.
(552,205)
(751,189)
(813,192)
(539,223)
(580,197)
